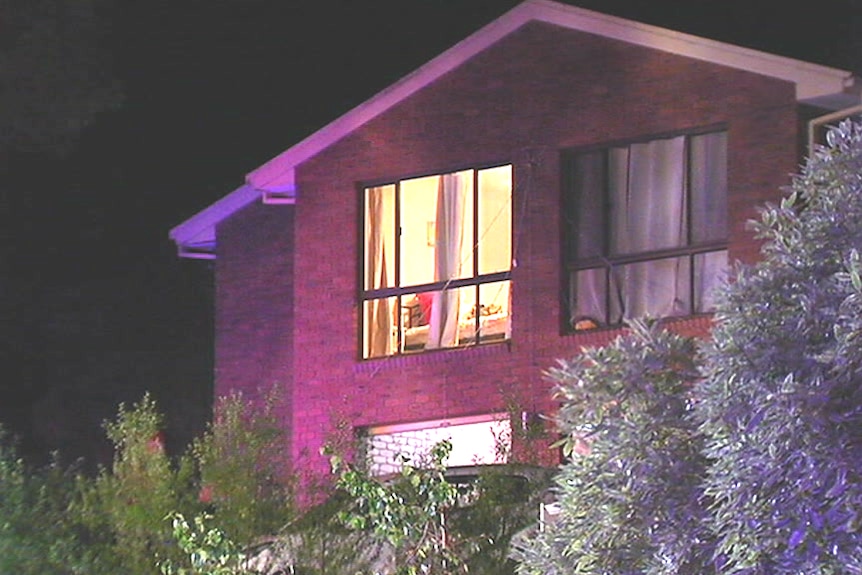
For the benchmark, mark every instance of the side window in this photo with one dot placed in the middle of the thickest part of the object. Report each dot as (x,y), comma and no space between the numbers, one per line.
(437,257)
(646,229)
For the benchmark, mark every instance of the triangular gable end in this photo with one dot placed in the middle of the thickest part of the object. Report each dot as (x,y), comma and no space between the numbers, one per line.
(275,182)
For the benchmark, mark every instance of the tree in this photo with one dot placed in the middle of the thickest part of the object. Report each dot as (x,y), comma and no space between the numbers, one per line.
(629,494)
(781,404)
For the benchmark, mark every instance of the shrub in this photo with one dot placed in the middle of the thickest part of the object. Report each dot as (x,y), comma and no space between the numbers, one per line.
(424,521)
(781,405)
(407,512)
(36,535)
(243,480)
(628,494)
(209,550)
(123,509)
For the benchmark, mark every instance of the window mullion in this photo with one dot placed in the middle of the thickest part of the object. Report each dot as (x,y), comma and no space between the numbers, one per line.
(397,224)
(399,337)
(689,218)
(608,287)
(478,303)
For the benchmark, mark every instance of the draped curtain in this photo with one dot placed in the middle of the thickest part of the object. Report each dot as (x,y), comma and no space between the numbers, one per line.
(659,195)
(649,212)
(379,235)
(452,195)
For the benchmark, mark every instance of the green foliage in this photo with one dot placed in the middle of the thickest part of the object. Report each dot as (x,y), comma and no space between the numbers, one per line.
(209,550)
(502,501)
(781,404)
(123,508)
(629,493)
(408,512)
(36,536)
(242,478)
(55,521)
(318,543)
(434,524)
(60,522)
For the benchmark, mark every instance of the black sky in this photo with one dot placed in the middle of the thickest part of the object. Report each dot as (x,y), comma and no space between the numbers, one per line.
(99,308)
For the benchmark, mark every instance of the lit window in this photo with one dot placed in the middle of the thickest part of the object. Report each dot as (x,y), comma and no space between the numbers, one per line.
(477,440)
(646,229)
(436,262)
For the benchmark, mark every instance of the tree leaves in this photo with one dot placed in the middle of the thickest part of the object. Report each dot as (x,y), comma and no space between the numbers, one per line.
(780,402)
(629,504)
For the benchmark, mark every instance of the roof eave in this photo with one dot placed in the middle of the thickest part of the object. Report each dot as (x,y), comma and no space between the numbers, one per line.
(275,180)
(814,83)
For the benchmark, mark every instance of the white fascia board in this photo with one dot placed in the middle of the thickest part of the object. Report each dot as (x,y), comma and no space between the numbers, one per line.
(196,236)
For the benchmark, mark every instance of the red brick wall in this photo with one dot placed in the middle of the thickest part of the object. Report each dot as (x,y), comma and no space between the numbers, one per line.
(254,335)
(523,100)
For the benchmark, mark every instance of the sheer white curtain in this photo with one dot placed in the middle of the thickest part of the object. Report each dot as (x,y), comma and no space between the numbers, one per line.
(452,196)
(649,212)
(708,186)
(379,234)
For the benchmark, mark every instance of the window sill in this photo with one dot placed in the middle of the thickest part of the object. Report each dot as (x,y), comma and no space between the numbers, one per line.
(435,356)
(698,323)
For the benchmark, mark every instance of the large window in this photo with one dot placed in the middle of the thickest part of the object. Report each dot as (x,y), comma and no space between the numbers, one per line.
(436,262)
(646,229)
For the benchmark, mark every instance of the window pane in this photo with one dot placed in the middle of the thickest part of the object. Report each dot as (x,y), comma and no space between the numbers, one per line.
(588,206)
(493,310)
(588,297)
(495,220)
(415,318)
(380,237)
(438,225)
(473,443)
(418,228)
(709,187)
(379,329)
(710,270)
(453,250)
(654,288)
(648,200)
(436,228)
(444,319)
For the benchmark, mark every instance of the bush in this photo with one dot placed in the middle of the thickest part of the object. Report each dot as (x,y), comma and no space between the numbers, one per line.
(209,550)
(243,481)
(123,509)
(781,405)
(36,535)
(629,494)
(424,521)
(131,518)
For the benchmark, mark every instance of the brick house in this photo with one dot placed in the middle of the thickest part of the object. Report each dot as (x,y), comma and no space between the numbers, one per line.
(551,175)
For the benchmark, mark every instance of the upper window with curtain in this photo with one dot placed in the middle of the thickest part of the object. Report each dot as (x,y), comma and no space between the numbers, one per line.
(437,258)
(646,229)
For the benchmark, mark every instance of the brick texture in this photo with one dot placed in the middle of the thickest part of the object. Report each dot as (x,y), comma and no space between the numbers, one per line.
(288,280)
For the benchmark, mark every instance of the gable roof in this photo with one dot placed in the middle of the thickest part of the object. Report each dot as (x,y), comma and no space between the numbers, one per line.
(274,181)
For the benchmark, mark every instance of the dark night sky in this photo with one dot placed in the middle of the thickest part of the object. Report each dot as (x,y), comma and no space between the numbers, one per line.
(98,308)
